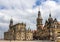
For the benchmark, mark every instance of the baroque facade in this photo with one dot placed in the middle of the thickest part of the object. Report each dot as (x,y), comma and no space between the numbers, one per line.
(48,31)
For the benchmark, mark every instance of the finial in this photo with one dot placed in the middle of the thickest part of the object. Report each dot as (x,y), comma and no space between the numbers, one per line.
(50,15)
(39,14)
(38,8)
(11,20)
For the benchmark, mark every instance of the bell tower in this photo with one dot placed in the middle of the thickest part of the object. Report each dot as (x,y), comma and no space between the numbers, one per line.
(39,21)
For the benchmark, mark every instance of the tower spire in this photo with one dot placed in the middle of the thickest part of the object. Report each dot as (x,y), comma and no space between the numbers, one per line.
(39,19)
(39,13)
(11,21)
(50,13)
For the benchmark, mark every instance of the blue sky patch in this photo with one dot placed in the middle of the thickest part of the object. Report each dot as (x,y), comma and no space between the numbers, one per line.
(3,7)
(56,0)
(38,2)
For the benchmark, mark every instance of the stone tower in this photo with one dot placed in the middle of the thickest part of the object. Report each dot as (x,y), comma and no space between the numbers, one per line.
(50,27)
(39,21)
(39,26)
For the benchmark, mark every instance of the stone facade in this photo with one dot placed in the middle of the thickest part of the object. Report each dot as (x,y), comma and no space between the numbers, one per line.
(46,31)
(18,32)
(57,32)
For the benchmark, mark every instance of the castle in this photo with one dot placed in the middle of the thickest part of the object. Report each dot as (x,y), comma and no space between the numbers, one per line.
(46,32)
(18,32)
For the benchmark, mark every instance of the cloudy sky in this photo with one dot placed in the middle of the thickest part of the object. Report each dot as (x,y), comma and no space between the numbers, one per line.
(26,11)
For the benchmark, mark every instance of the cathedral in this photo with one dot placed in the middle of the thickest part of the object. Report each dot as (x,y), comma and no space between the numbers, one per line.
(42,32)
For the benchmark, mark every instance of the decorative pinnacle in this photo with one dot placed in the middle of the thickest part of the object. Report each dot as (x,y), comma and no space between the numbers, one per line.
(50,15)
